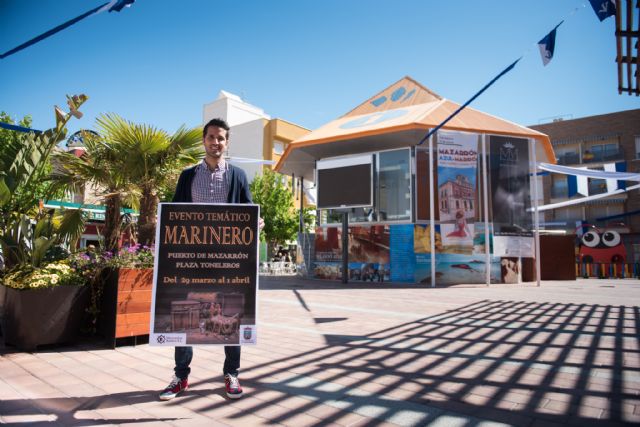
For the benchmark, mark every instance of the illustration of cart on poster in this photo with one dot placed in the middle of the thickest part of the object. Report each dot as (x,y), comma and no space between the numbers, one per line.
(206,275)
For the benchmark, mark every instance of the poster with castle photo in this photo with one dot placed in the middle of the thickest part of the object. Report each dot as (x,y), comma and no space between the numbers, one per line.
(457,170)
(206,275)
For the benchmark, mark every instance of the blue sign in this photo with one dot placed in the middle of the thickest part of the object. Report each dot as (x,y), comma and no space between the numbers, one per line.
(401,254)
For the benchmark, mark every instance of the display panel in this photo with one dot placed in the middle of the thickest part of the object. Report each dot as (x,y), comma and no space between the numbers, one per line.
(345,182)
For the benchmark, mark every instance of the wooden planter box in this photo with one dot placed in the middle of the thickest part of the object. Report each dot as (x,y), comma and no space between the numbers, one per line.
(126,304)
(36,317)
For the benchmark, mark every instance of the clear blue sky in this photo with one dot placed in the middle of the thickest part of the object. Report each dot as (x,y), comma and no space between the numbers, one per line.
(307,62)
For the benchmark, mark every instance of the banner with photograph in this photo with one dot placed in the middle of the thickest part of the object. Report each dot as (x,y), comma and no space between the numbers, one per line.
(509,164)
(369,255)
(457,170)
(327,260)
(453,269)
(206,275)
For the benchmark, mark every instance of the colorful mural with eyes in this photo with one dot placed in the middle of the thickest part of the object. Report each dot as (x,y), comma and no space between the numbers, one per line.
(598,246)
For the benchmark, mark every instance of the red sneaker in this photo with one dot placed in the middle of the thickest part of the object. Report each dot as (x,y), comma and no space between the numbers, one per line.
(175,387)
(232,385)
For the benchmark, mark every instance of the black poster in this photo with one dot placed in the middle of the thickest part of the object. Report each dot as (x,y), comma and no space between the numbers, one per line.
(509,164)
(206,274)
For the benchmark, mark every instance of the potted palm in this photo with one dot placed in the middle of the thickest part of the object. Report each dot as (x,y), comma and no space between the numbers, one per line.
(43,298)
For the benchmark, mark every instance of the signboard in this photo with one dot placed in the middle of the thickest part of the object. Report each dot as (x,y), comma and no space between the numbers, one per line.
(509,163)
(206,274)
(514,246)
(345,182)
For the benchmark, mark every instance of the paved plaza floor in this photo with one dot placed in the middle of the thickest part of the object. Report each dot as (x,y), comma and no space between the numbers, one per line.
(565,353)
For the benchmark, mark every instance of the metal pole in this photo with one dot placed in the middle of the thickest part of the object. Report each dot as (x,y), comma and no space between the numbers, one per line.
(432,215)
(301,205)
(485,202)
(345,247)
(536,214)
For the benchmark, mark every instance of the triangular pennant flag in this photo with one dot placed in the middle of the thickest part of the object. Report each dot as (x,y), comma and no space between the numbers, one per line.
(120,4)
(116,5)
(572,186)
(582,184)
(612,184)
(621,167)
(603,8)
(548,45)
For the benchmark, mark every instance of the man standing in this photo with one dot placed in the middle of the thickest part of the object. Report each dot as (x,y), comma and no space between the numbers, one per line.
(211,181)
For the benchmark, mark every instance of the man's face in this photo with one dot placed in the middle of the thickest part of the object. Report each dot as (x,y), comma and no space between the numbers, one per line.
(215,142)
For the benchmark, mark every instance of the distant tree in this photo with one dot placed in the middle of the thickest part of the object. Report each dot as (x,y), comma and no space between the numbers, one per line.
(271,192)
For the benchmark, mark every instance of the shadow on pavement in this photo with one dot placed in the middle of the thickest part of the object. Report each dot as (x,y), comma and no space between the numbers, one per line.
(505,361)
(513,362)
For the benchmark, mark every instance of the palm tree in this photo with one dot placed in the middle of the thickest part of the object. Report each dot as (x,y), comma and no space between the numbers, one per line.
(131,162)
(98,167)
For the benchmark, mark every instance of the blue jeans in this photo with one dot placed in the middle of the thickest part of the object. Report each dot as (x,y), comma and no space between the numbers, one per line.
(184,355)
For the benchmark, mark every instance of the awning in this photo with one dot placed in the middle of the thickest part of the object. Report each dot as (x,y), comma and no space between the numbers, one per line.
(95,212)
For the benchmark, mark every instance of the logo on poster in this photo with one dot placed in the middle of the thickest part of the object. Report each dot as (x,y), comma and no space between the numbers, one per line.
(247,333)
(508,153)
(168,339)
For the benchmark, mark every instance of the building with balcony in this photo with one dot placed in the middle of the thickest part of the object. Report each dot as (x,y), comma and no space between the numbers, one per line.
(603,142)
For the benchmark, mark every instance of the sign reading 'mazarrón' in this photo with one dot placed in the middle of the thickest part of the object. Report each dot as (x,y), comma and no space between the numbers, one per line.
(206,274)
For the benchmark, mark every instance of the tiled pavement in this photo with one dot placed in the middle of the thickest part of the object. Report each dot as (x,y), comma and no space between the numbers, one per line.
(567,353)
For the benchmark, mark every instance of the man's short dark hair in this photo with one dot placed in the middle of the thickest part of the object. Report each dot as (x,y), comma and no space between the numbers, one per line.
(218,123)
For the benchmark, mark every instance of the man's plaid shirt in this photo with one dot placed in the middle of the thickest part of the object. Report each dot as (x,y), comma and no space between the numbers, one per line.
(210,186)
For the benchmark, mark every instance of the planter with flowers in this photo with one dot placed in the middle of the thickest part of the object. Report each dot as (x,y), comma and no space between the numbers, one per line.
(44,305)
(43,299)
(122,294)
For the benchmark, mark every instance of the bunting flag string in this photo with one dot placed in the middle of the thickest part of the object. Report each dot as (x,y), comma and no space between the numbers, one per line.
(589,173)
(582,199)
(603,9)
(463,106)
(111,6)
(17,128)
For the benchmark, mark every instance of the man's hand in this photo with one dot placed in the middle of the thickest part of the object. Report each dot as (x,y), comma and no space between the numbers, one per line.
(260,223)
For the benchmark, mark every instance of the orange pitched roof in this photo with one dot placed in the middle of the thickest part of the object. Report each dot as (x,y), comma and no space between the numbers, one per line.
(403,93)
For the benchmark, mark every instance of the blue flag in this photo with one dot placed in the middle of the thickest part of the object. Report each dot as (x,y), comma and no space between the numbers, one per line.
(117,5)
(603,8)
(548,45)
